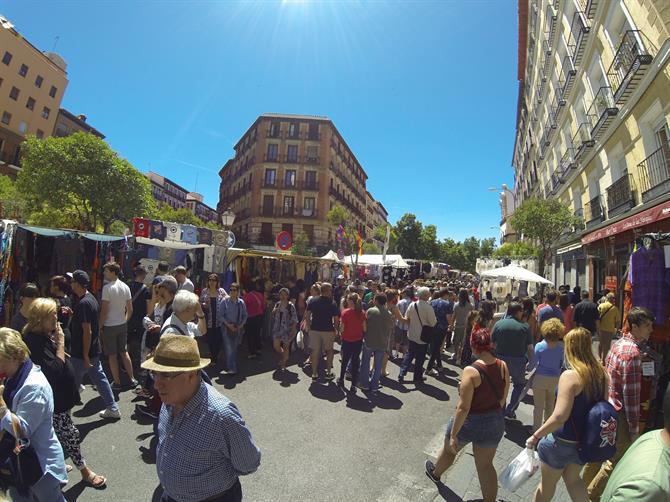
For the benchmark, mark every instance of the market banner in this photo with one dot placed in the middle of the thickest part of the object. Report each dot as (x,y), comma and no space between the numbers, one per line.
(189,234)
(173,232)
(204,236)
(141,227)
(157,230)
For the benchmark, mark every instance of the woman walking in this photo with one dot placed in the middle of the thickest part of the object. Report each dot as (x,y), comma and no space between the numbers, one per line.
(479,416)
(284,327)
(353,326)
(568,311)
(210,299)
(579,387)
(548,364)
(254,300)
(45,339)
(461,311)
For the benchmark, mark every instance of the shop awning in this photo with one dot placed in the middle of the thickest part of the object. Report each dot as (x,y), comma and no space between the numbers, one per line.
(652,215)
(101,237)
(47,232)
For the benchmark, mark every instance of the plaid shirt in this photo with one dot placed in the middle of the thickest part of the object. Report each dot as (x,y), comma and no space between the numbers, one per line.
(624,367)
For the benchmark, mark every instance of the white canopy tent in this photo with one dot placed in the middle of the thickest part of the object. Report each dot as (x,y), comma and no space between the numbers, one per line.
(392,260)
(515,272)
(331,256)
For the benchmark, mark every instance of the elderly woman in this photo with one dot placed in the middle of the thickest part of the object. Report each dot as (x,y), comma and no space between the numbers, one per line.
(44,337)
(284,324)
(26,397)
(210,299)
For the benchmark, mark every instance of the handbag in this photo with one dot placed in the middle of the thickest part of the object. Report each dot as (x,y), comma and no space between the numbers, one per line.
(426,331)
(19,465)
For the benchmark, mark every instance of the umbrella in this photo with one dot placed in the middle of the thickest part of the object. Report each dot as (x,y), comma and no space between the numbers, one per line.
(515,272)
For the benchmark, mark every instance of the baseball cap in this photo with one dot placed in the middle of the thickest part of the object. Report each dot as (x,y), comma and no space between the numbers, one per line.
(81,277)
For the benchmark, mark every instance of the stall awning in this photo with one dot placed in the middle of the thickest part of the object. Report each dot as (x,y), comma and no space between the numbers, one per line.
(47,232)
(392,260)
(641,219)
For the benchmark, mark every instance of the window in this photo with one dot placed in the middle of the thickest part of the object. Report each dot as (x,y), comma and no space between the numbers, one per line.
(289,178)
(272,152)
(266,233)
(53,91)
(23,71)
(6,117)
(270,177)
(289,204)
(292,153)
(23,127)
(308,206)
(62,130)
(7,58)
(274,129)
(39,133)
(30,104)
(45,112)
(312,153)
(293,129)
(310,179)
(38,81)
(14,93)
(313,131)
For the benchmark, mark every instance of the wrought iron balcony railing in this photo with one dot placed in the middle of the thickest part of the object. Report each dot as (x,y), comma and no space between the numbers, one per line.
(601,112)
(620,195)
(310,185)
(588,7)
(593,211)
(655,174)
(579,34)
(566,75)
(629,64)
(582,140)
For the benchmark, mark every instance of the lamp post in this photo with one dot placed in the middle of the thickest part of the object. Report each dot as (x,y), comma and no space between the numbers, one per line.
(227,219)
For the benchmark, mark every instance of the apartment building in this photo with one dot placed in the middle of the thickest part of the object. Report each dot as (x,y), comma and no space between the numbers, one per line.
(287,173)
(592,126)
(166,191)
(32,84)
(68,123)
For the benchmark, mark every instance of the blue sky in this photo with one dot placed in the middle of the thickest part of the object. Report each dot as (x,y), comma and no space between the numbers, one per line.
(424,92)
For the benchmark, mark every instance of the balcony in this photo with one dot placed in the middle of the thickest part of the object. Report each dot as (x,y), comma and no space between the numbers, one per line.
(289,184)
(269,211)
(312,160)
(270,183)
(313,136)
(307,212)
(266,239)
(552,19)
(582,140)
(310,185)
(601,112)
(273,133)
(593,212)
(292,159)
(630,64)
(655,174)
(579,34)
(566,76)
(270,158)
(620,196)
(579,213)
(295,135)
(557,105)
(567,163)
(538,92)
(588,7)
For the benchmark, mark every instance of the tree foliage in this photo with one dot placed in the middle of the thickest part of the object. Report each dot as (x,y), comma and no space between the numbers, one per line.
(520,249)
(12,205)
(182,215)
(409,231)
(82,182)
(337,216)
(371,248)
(301,245)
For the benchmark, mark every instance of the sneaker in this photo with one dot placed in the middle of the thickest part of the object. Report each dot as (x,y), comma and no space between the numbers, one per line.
(362,387)
(146,411)
(110,413)
(430,471)
(432,372)
(82,388)
(134,383)
(510,414)
(330,376)
(116,386)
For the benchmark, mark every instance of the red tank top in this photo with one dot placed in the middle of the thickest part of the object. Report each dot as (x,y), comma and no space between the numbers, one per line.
(484,398)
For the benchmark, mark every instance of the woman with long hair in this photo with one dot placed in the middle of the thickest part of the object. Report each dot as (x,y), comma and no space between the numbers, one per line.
(529,317)
(284,327)
(579,387)
(479,416)
(568,312)
(462,310)
(44,338)
(210,299)
(352,322)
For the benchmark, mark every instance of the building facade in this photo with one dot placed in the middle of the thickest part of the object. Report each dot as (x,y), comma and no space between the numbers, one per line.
(287,173)
(166,191)
(592,126)
(32,84)
(68,123)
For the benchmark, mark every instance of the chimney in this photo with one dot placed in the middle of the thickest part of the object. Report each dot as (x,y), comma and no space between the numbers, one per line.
(82,118)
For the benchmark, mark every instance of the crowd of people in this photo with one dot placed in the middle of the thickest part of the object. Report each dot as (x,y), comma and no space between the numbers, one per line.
(150,335)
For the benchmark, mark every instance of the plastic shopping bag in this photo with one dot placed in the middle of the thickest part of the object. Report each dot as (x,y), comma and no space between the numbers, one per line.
(300,340)
(520,470)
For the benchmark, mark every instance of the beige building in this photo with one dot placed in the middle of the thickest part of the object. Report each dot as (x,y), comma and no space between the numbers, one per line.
(288,172)
(68,123)
(32,84)
(592,125)
(165,191)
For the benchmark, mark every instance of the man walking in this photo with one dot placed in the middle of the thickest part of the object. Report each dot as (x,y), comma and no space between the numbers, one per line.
(185,308)
(609,322)
(231,316)
(141,297)
(183,281)
(586,314)
(321,319)
(550,310)
(624,368)
(85,343)
(204,446)
(444,312)
(513,343)
(375,343)
(115,312)
(419,314)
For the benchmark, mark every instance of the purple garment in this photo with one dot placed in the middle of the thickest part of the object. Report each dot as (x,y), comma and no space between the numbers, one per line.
(650,280)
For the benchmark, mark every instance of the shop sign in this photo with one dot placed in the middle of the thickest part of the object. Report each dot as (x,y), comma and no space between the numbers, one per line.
(641,219)
(611,283)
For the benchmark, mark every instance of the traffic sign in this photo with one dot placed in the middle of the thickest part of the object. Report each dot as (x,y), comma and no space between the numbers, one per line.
(284,240)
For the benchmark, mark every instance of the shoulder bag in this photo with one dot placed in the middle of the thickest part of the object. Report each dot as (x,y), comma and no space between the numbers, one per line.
(426,331)
(19,465)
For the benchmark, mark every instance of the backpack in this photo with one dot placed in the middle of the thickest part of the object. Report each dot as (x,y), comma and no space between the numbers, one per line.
(600,427)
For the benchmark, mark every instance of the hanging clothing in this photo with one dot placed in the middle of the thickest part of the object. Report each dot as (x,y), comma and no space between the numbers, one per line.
(650,281)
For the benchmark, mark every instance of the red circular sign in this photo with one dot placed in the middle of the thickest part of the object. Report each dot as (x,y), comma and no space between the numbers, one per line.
(284,241)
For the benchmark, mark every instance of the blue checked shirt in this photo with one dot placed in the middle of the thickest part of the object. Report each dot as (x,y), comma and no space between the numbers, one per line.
(203,450)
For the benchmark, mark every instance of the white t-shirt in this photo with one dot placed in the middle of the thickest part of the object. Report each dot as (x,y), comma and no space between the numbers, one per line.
(117,293)
(187,285)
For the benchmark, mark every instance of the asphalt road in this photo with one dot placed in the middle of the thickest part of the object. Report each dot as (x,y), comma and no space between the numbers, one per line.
(317,443)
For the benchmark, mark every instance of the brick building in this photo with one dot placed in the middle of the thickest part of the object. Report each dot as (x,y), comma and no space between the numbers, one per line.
(166,191)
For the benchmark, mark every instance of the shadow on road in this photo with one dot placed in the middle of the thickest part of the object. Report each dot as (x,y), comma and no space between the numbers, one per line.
(330,392)
(359,403)
(285,378)
(91,407)
(432,391)
(78,488)
(394,385)
(385,401)
(516,432)
(84,429)
(447,494)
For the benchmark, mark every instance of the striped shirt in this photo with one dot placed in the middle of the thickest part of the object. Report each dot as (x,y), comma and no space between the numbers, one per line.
(204,449)
(624,367)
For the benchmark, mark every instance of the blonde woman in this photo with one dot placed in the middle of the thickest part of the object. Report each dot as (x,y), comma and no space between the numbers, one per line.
(548,362)
(579,387)
(44,338)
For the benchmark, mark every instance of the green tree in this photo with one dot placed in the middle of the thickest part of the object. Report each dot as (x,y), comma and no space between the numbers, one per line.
(337,216)
(453,253)
(543,221)
(430,247)
(379,233)
(301,246)
(371,248)
(12,205)
(182,215)
(409,231)
(81,175)
(487,247)
(520,249)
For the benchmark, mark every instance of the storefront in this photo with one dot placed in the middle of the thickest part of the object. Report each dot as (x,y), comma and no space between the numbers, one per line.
(570,266)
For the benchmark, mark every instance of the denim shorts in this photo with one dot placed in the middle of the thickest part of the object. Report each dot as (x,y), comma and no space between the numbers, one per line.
(557,453)
(481,429)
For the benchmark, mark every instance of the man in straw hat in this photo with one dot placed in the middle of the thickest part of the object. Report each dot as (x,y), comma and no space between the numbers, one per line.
(203,442)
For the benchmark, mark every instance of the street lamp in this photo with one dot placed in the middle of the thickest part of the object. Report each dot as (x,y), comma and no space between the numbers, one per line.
(227,220)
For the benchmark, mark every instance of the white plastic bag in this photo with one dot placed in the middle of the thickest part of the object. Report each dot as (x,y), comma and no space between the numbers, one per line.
(300,340)
(519,470)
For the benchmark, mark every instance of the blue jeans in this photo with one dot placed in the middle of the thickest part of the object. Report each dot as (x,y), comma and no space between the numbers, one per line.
(416,353)
(517,371)
(47,489)
(231,341)
(98,378)
(365,368)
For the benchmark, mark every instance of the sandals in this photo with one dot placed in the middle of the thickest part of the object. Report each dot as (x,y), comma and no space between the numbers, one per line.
(96,481)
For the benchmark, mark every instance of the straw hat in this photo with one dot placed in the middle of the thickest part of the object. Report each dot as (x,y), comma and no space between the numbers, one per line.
(176,353)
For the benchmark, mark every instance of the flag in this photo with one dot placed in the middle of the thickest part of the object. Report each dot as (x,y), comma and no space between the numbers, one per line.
(189,234)
(359,241)
(140,227)
(157,230)
(204,236)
